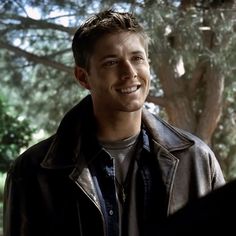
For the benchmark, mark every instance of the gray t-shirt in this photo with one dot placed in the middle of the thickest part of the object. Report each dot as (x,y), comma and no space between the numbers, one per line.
(123,152)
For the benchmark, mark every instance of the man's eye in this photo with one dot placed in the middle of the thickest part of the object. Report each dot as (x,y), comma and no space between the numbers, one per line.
(138,59)
(110,63)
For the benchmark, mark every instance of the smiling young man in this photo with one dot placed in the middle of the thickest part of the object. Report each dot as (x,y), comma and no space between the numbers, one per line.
(118,79)
(112,168)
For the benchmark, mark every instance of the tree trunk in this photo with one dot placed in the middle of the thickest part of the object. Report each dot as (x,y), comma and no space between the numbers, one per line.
(177,102)
(213,104)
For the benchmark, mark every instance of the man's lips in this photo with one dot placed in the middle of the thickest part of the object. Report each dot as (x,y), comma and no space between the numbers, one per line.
(128,90)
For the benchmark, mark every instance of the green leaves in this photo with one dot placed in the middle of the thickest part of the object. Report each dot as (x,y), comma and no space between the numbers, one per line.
(15,134)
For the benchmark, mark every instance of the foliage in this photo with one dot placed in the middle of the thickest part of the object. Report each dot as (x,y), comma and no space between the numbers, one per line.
(224,139)
(14,135)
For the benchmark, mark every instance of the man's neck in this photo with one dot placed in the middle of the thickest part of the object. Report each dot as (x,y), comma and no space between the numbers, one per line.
(114,127)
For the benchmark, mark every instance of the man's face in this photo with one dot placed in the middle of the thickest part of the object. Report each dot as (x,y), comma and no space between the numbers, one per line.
(119,75)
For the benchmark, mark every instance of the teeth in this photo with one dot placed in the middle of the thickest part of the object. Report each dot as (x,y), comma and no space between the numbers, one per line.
(129,90)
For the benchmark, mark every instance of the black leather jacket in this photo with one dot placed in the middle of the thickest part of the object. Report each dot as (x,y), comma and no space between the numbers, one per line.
(49,189)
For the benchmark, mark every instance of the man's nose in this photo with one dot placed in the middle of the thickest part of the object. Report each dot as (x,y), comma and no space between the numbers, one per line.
(128,71)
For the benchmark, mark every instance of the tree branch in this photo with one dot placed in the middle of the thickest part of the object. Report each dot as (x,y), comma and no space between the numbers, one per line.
(29,23)
(36,59)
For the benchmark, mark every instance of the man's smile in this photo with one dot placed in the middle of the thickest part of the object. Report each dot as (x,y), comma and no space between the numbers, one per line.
(128,90)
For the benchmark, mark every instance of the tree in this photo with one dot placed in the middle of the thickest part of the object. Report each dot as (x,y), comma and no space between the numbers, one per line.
(191,54)
(188,97)
(195,63)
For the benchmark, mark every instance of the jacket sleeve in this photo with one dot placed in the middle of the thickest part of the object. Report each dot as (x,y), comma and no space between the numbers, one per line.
(218,179)
(14,221)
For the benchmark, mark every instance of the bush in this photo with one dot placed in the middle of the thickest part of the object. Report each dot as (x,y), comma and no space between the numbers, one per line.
(15,134)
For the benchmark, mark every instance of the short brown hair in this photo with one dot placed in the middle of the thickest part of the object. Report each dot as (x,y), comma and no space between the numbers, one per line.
(95,27)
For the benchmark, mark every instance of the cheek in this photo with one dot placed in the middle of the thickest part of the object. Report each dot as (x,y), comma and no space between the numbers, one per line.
(146,76)
(99,85)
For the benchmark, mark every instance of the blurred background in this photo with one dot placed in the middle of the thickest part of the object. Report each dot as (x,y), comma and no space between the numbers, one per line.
(193,66)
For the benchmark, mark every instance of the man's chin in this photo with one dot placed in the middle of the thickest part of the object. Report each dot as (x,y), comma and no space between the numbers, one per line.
(133,107)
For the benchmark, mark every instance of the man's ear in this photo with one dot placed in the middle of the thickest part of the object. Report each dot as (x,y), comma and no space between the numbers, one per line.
(81,76)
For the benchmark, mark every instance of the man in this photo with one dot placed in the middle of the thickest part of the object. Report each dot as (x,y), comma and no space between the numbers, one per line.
(112,168)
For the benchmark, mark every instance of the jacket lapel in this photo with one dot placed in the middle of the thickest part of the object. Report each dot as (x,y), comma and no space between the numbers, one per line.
(166,140)
(66,152)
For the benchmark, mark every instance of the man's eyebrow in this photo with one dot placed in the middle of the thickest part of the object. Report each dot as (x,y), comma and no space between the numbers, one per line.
(114,55)
(138,52)
(108,56)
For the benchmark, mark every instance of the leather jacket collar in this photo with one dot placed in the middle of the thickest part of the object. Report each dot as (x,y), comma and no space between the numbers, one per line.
(79,121)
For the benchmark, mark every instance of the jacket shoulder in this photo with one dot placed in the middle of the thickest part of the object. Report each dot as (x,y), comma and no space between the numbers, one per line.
(177,139)
(199,145)
(29,161)
(173,137)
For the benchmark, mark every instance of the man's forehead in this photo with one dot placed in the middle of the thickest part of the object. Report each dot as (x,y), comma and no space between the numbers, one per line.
(114,43)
